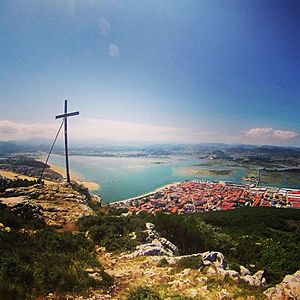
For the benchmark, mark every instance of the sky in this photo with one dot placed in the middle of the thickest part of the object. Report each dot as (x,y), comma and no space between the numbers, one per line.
(172,71)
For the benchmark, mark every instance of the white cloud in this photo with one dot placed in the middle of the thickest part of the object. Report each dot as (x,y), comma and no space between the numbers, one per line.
(10,130)
(81,129)
(126,131)
(113,50)
(105,27)
(270,133)
(87,130)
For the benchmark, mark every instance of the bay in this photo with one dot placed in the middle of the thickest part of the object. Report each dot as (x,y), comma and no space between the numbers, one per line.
(126,177)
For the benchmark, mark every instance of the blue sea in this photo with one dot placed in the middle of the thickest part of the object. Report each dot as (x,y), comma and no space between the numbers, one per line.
(122,177)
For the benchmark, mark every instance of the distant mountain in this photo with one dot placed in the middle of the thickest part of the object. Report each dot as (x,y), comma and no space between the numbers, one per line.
(43,145)
(18,147)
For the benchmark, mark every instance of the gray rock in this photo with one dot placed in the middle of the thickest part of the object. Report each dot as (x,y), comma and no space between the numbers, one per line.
(231,273)
(244,271)
(289,288)
(150,226)
(156,246)
(215,257)
(256,279)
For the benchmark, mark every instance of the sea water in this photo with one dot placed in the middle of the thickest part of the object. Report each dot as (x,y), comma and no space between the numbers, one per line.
(126,177)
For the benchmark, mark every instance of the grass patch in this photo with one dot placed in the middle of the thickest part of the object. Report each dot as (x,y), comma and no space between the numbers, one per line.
(191,262)
(143,293)
(33,265)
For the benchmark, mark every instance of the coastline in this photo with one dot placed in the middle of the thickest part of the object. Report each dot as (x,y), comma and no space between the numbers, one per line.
(92,186)
(147,194)
(14,175)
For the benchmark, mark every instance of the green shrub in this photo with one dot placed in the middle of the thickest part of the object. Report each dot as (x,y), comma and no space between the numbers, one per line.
(21,218)
(45,262)
(113,232)
(213,283)
(9,291)
(143,293)
(163,263)
(234,266)
(179,297)
(191,262)
(191,234)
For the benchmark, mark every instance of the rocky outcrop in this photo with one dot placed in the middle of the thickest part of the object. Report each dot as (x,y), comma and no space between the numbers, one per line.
(58,203)
(288,289)
(213,261)
(156,246)
(214,257)
(256,279)
(217,265)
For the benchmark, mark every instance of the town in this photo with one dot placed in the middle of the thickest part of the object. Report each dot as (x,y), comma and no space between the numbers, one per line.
(202,196)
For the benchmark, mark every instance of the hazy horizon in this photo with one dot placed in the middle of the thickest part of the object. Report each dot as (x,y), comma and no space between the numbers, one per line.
(152,71)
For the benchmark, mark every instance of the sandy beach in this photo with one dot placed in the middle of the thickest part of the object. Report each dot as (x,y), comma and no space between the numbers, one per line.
(148,194)
(92,186)
(13,175)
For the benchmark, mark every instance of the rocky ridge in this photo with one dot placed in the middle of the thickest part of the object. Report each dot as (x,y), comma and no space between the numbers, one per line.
(213,261)
(58,204)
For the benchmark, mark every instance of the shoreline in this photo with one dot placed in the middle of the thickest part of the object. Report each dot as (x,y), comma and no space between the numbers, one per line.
(159,189)
(92,186)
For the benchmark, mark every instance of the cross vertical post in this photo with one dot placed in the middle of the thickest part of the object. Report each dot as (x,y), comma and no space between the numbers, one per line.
(66,143)
(65,117)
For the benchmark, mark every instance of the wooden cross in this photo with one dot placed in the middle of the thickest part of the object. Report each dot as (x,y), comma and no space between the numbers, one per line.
(65,115)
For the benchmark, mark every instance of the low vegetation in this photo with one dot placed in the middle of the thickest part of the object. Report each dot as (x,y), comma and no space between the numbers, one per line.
(189,263)
(143,293)
(114,232)
(37,262)
(258,238)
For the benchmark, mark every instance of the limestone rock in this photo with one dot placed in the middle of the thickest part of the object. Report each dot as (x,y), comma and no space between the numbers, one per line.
(150,226)
(289,288)
(57,203)
(231,273)
(215,257)
(256,279)
(244,271)
(156,246)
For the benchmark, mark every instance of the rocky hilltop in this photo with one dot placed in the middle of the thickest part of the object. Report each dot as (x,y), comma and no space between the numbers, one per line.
(59,204)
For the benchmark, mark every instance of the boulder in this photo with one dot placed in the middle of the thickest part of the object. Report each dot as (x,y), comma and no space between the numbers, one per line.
(150,226)
(289,288)
(255,280)
(244,271)
(215,257)
(156,246)
(231,273)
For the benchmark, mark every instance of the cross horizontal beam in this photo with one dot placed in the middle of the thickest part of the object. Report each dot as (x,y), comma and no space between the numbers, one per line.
(75,113)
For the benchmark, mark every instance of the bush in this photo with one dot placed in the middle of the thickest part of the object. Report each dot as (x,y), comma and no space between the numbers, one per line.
(31,266)
(20,217)
(113,232)
(191,234)
(143,293)
(179,297)
(192,262)
(163,263)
